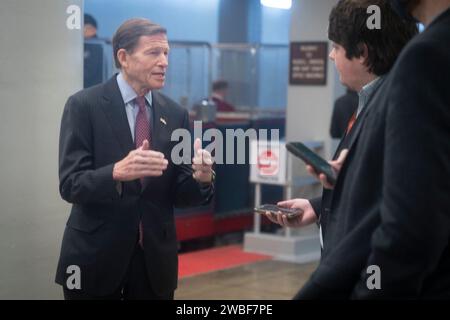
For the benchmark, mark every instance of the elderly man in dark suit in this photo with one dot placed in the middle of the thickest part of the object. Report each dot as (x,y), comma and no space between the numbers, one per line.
(116,169)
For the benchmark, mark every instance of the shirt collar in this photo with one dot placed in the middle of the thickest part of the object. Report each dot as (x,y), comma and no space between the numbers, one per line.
(369,88)
(128,93)
(366,92)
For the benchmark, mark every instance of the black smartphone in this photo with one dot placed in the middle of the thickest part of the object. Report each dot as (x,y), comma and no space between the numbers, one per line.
(298,149)
(274,209)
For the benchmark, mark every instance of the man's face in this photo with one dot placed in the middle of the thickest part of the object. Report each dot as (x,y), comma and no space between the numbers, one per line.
(223,92)
(145,67)
(351,72)
(89,31)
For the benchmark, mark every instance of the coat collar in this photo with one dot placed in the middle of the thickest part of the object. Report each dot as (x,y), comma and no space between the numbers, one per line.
(348,141)
(114,108)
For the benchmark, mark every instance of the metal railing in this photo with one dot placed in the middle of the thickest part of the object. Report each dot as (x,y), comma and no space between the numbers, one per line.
(257,74)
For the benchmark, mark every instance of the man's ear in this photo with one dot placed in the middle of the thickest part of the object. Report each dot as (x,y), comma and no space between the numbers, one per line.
(122,57)
(364,53)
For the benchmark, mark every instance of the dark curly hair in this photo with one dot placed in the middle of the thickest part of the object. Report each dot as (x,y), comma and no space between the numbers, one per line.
(348,28)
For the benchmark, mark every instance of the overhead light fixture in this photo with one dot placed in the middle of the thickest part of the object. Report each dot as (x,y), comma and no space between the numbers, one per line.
(279,4)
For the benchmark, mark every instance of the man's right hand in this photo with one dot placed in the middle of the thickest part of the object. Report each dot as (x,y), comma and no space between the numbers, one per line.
(308,217)
(335,164)
(140,163)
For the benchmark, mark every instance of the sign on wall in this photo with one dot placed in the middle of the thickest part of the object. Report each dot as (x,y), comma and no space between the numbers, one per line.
(308,63)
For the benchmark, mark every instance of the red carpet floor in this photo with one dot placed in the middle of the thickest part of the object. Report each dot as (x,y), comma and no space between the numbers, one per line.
(194,263)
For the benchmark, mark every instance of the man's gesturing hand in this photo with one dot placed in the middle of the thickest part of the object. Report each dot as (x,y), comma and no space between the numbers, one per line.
(202,163)
(140,163)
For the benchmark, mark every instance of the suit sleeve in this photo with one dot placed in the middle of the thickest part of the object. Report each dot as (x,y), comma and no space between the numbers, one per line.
(79,181)
(187,191)
(316,203)
(415,218)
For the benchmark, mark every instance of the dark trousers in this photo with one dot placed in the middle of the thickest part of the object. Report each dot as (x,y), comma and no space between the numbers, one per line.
(135,286)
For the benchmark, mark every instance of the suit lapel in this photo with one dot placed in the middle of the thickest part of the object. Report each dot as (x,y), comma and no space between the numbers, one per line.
(340,146)
(159,120)
(349,141)
(114,108)
(356,129)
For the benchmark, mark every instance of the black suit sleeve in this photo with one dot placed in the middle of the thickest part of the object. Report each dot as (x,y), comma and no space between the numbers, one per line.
(316,203)
(415,217)
(79,181)
(188,192)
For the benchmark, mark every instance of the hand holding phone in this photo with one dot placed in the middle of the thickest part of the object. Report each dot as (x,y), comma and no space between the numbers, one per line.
(274,210)
(309,157)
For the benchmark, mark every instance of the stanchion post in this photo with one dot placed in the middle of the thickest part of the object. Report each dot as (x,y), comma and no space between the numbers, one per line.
(257,216)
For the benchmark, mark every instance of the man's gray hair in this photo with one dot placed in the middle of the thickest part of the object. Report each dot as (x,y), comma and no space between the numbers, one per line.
(128,34)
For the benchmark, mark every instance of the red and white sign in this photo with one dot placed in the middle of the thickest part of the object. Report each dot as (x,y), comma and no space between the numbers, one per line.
(267,162)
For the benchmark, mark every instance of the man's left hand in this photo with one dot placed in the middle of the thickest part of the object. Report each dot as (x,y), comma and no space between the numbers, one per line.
(202,163)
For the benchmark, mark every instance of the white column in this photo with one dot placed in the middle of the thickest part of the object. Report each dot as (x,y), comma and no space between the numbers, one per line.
(309,108)
(41,63)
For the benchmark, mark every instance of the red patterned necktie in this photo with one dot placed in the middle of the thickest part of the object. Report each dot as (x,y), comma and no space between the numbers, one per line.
(142,132)
(350,123)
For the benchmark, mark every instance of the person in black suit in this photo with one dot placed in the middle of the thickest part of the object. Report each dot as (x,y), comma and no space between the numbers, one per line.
(399,180)
(117,170)
(344,108)
(410,228)
(361,56)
